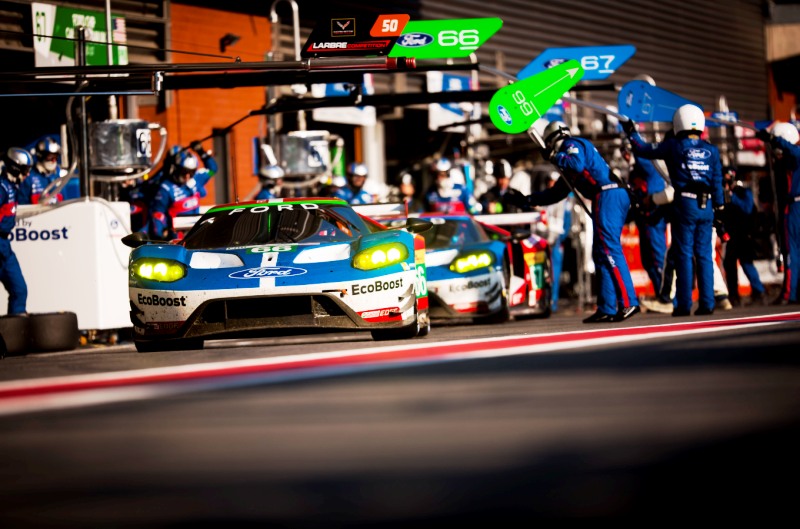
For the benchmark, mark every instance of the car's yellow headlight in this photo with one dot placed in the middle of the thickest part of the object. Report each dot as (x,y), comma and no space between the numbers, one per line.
(472,261)
(380,256)
(163,270)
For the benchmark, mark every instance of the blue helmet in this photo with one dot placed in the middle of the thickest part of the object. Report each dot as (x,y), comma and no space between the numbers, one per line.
(17,162)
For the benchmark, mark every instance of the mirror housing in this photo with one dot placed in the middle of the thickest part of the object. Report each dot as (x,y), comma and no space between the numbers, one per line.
(415,225)
(135,239)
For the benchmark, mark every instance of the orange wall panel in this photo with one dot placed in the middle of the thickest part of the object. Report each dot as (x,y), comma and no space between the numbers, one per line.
(194,114)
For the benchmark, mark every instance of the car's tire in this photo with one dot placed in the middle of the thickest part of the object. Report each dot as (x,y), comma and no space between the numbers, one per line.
(501,316)
(54,331)
(547,294)
(399,333)
(504,314)
(14,335)
(424,320)
(153,346)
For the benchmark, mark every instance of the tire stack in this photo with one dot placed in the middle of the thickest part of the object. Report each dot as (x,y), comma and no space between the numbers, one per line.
(38,333)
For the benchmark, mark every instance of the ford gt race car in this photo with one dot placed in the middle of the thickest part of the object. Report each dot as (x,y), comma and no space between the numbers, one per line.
(305,263)
(479,270)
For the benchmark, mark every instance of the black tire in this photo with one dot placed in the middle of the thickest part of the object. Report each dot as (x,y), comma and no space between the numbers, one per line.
(54,331)
(424,324)
(504,314)
(153,346)
(547,290)
(14,335)
(501,316)
(402,333)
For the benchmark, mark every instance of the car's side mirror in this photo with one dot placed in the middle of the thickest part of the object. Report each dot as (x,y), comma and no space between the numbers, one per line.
(415,225)
(135,239)
(519,234)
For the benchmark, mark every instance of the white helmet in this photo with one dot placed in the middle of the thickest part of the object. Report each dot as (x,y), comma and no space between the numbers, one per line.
(689,118)
(787,131)
(441,165)
(554,133)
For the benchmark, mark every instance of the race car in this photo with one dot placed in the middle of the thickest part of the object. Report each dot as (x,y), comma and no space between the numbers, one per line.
(249,268)
(477,269)
(531,283)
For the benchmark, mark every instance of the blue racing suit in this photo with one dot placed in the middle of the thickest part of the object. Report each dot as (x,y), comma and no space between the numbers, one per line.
(790,196)
(265,194)
(352,196)
(740,248)
(651,220)
(173,199)
(590,175)
(34,185)
(455,200)
(140,196)
(696,174)
(10,271)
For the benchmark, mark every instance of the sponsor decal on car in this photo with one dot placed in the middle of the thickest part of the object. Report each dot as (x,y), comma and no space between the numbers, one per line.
(376,286)
(377,314)
(267,271)
(157,301)
(469,285)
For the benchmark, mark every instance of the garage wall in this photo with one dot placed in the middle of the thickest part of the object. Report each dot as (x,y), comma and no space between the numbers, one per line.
(700,50)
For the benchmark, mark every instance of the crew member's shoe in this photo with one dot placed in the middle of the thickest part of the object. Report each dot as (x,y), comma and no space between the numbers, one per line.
(627,312)
(723,303)
(680,312)
(780,300)
(758,298)
(657,305)
(702,311)
(599,317)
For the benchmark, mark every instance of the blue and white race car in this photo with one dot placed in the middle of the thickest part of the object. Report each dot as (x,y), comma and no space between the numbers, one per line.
(306,263)
(486,267)
(468,272)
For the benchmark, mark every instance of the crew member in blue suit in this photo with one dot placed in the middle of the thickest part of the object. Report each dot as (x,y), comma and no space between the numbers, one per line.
(696,174)
(353,192)
(584,170)
(740,223)
(784,138)
(17,163)
(444,195)
(181,189)
(270,177)
(650,218)
(45,170)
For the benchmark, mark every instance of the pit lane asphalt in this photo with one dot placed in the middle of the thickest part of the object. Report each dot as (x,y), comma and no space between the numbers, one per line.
(701,427)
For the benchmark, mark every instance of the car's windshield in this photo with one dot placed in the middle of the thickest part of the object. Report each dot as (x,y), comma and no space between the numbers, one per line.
(255,224)
(449,233)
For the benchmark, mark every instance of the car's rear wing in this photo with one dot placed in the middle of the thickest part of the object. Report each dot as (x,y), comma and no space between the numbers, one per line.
(507,219)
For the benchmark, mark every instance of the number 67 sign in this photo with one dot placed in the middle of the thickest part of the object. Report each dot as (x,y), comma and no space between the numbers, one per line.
(598,62)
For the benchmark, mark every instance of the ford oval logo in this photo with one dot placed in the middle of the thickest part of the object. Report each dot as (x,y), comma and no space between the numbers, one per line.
(504,115)
(699,154)
(414,40)
(554,62)
(267,271)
